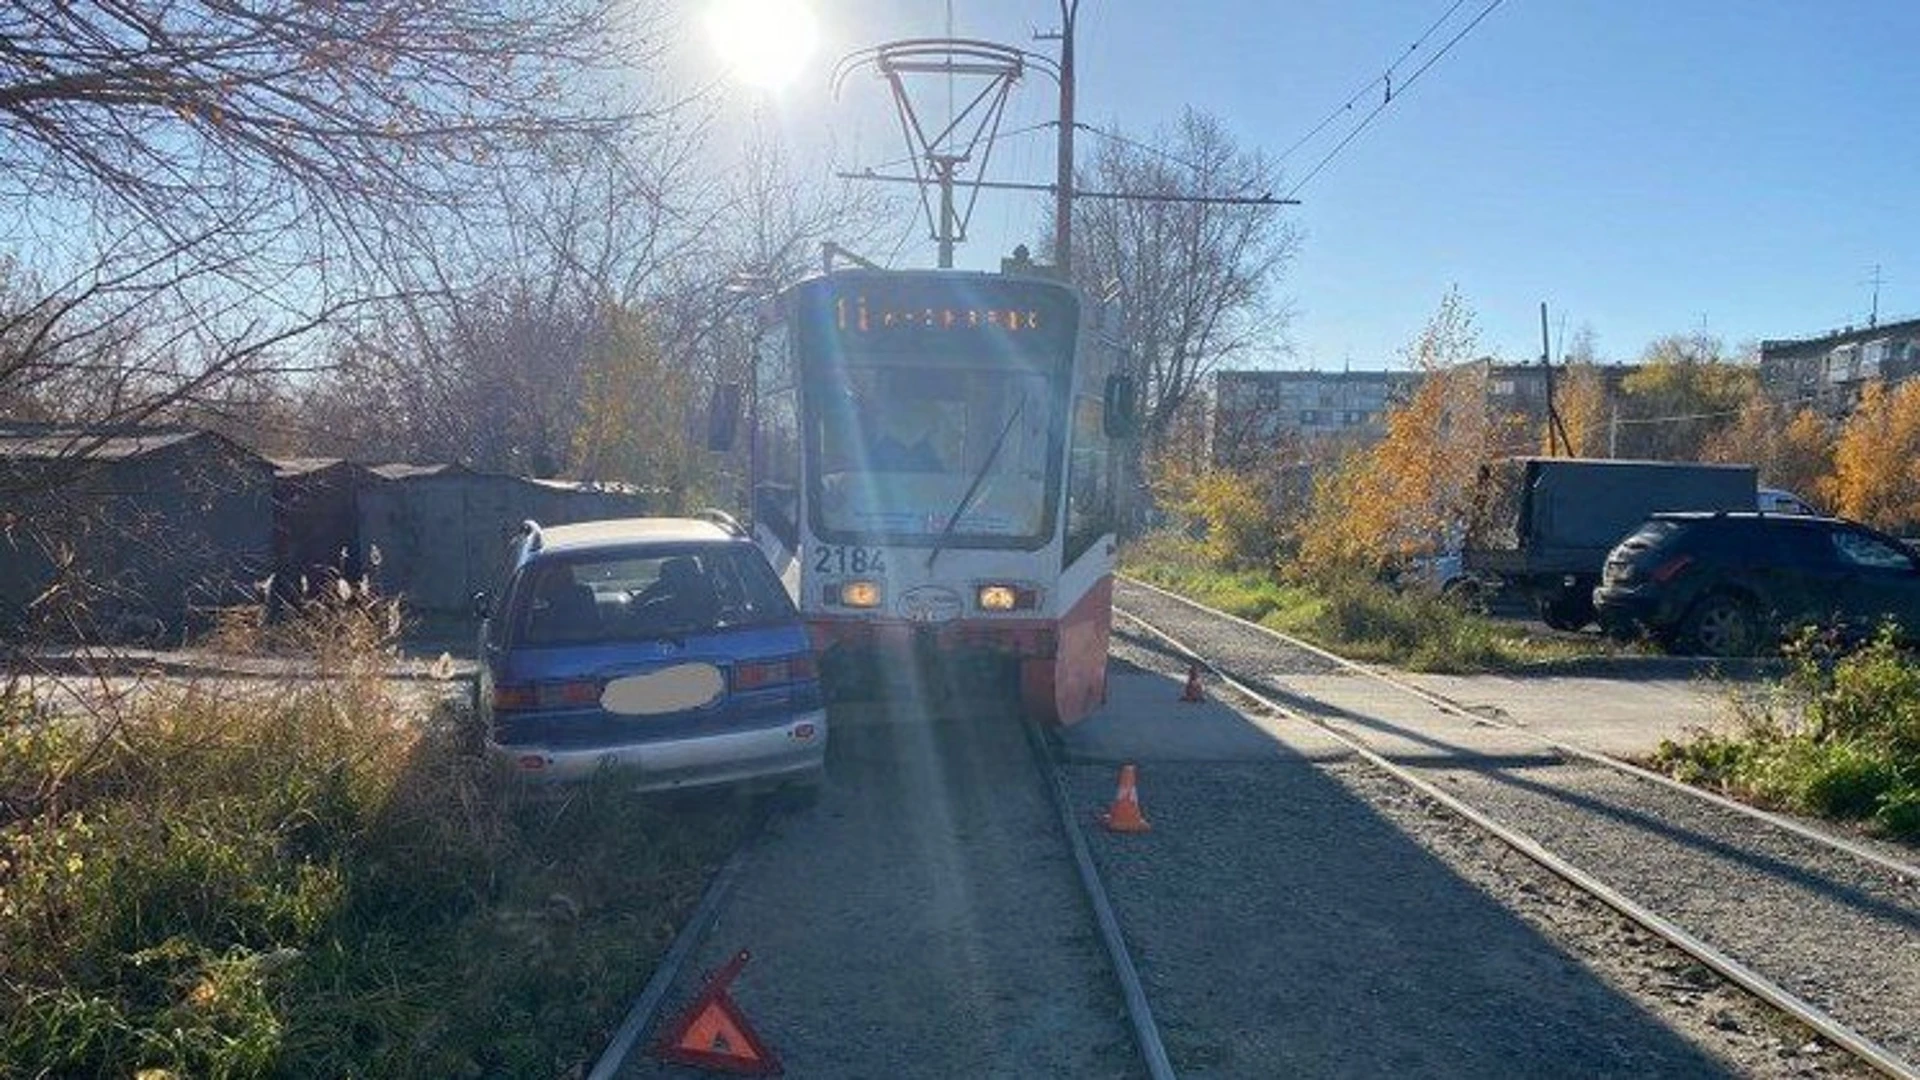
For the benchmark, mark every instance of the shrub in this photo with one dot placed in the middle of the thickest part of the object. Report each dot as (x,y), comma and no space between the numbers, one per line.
(1899,811)
(1871,695)
(1342,611)
(1841,740)
(1843,780)
(1239,528)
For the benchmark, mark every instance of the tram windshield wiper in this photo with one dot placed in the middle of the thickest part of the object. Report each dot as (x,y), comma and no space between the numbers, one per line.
(993,455)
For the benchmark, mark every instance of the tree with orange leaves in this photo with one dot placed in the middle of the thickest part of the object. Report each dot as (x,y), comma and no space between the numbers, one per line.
(1792,451)
(1876,462)
(1410,492)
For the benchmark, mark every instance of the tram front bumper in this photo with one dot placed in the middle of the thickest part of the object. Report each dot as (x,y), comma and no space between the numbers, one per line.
(1024,639)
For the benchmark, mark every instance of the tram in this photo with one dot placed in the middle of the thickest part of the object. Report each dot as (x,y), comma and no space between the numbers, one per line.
(932,471)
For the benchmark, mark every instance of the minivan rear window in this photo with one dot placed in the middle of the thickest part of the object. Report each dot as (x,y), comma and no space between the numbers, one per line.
(646,594)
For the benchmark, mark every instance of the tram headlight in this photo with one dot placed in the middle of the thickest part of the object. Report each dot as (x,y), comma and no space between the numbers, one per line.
(1005,598)
(858,594)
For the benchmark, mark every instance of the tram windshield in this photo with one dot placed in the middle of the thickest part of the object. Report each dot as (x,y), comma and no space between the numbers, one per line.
(934,406)
(913,452)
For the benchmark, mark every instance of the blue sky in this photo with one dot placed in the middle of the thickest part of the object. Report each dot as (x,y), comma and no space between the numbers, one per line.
(1645,168)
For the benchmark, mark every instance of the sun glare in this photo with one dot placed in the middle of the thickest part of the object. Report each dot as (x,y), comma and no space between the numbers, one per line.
(764,42)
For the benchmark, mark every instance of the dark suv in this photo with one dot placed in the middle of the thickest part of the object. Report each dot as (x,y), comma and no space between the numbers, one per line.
(1728,584)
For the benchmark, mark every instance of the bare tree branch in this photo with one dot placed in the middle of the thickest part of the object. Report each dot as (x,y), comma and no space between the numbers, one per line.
(1195,281)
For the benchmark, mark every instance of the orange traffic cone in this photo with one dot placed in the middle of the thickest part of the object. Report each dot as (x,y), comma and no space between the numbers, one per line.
(1125,816)
(1193,692)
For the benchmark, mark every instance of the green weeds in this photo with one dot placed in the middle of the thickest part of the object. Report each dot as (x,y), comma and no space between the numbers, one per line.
(1351,615)
(322,878)
(1840,739)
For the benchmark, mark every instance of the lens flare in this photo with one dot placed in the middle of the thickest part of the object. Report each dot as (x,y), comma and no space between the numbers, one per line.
(767,43)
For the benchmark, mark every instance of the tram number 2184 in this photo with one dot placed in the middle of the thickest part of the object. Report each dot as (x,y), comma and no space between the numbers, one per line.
(848,560)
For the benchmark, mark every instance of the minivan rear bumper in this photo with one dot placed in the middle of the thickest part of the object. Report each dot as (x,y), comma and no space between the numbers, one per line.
(792,749)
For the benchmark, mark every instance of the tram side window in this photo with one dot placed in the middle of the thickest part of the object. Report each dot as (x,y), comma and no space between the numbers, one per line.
(776,454)
(1089,479)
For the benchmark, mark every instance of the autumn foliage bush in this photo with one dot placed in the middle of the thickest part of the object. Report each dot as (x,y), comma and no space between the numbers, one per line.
(1411,492)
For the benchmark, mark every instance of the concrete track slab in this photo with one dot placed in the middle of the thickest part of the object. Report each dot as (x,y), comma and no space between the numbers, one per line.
(1145,720)
(1626,718)
(1622,717)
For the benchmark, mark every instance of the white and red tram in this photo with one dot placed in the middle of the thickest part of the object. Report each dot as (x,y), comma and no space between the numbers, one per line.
(932,469)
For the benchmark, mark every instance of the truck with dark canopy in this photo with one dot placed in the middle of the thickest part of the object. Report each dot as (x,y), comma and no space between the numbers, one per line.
(1543,526)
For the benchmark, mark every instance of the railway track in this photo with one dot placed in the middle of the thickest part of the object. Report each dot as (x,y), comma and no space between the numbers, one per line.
(937,914)
(1825,928)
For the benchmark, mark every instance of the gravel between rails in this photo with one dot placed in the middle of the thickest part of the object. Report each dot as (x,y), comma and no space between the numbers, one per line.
(1739,1034)
(1842,934)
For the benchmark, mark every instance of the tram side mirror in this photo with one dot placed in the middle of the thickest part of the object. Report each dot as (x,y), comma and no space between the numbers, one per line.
(1119,415)
(723,417)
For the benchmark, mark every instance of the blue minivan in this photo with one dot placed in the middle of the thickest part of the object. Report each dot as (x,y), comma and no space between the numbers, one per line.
(664,648)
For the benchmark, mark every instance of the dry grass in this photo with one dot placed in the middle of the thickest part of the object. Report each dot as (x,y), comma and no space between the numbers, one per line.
(318,878)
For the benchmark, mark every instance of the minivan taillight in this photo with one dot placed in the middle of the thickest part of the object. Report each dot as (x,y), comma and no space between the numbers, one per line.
(1671,569)
(513,698)
(575,693)
(765,673)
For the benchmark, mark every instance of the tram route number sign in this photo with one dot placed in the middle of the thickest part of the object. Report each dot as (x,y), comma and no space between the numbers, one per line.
(842,559)
(895,315)
(857,315)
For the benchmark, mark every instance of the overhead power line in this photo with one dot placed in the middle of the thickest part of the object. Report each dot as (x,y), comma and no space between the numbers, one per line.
(1390,97)
(1385,77)
(910,159)
(1137,145)
(1044,125)
(1795,402)
(1263,199)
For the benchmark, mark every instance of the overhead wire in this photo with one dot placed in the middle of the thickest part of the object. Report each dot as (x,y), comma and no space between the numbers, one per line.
(1800,402)
(911,158)
(1345,107)
(1392,96)
(913,225)
(1021,163)
(1386,76)
(1137,145)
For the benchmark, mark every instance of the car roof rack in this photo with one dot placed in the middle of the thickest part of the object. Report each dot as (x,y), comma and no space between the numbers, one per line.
(724,520)
(535,538)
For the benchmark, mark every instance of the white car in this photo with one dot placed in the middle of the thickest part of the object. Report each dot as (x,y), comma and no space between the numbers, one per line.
(1776,501)
(1446,574)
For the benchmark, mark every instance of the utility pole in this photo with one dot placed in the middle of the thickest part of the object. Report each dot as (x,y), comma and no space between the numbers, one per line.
(943,170)
(1873,318)
(1063,153)
(1556,431)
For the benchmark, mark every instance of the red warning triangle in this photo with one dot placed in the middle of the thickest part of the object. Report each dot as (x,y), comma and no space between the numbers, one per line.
(712,1034)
